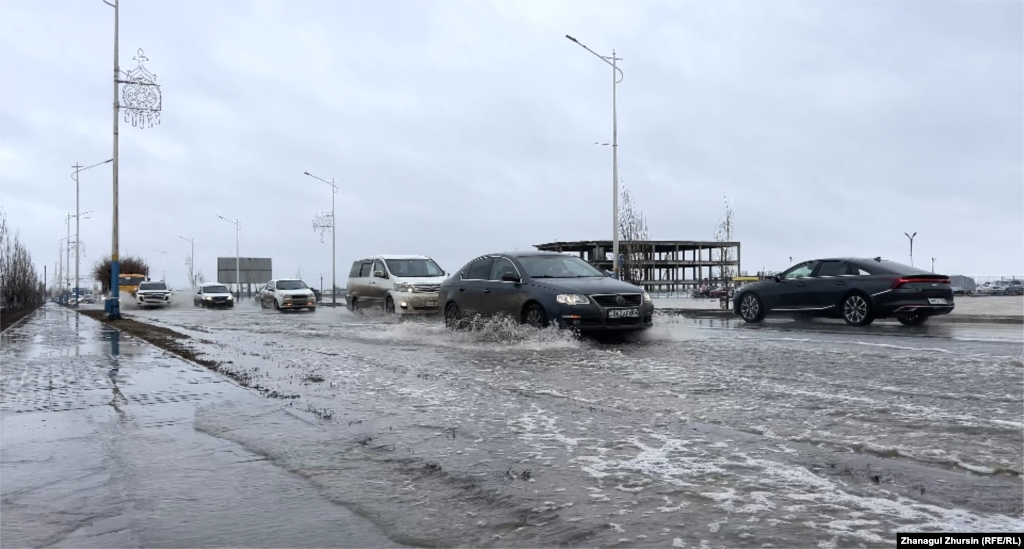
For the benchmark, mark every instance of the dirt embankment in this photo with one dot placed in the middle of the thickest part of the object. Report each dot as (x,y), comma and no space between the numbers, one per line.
(169,340)
(9,318)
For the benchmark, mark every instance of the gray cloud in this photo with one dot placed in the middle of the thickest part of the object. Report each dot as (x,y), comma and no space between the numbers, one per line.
(457,128)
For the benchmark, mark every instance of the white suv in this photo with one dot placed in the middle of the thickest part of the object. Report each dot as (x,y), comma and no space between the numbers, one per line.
(153,294)
(397,284)
(287,293)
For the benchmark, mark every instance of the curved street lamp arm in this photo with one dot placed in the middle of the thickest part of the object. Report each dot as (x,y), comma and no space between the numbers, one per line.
(599,56)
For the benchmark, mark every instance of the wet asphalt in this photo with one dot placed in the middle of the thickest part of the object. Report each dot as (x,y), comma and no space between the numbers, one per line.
(703,433)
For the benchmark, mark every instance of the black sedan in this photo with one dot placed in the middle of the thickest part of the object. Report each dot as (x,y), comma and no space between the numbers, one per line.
(856,290)
(541,288)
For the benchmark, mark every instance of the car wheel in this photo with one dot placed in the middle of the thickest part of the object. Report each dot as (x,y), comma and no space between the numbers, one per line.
(312,309)
(276,306)
(751,309)
(857,310)
(535,316)
(389,306)
(263,304)
(912,320)
(452,317)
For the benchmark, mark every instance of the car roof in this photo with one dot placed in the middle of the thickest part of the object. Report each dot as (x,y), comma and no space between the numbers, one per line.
(392,256)
(528,253)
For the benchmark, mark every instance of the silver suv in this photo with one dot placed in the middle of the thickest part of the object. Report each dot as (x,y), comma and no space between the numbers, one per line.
(397,284)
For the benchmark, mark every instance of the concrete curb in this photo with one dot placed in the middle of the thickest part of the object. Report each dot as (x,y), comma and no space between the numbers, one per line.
(945,319)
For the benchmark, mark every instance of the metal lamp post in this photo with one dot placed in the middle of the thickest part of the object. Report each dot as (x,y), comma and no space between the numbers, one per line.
(911,237)
(617,77)
(78,245)
(142,106)
(192,261)
(238,279)
(933,265)
(320,224)
(78,168)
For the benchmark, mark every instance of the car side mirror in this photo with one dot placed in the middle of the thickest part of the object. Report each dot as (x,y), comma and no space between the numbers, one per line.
(777,278)
(378,274)
(510,277)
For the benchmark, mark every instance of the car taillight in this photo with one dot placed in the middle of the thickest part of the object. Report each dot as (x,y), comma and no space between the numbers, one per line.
(901,281)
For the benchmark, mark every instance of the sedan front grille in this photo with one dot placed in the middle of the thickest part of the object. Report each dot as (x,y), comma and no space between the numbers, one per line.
(612,300)
(425,288)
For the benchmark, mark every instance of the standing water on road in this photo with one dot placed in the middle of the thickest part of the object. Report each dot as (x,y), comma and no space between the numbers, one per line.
(698,433)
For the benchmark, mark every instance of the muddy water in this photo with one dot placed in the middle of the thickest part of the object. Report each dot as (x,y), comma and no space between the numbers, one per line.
(701,434)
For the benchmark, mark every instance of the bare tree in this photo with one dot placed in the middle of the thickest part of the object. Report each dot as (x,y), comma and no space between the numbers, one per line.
(191,273)
(127,265)
(724,233)
(200,278)
(20,286)
(633,237)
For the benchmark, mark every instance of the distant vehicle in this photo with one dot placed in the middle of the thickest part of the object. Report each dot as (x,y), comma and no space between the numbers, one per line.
(213,295)
(128,284)
(153,294)
(963,285)
(856,290)
(287,294)
(1015,287)
(397,284)
(996,287)
(544,288)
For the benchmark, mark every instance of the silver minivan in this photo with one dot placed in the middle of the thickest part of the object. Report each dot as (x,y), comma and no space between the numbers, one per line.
(396,284)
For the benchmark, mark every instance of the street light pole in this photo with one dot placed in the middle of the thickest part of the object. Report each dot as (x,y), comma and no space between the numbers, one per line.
(192,261)
(142,101)
(79,168)
(334,240)
(617,77)
(911,237)
(238,279)
(933,265)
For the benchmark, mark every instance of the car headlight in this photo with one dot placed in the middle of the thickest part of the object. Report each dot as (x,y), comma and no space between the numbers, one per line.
(404,287)
(230,297)
(208,298)
(572,299)
(647,297)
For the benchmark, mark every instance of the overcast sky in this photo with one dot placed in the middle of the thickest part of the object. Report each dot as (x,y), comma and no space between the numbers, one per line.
(456,128)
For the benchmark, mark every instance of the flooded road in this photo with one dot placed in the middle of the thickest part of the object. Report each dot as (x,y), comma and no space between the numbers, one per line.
(705,433)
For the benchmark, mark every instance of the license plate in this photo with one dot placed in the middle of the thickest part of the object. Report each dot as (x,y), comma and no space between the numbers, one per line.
(937,300)
(431,304)
(623,313)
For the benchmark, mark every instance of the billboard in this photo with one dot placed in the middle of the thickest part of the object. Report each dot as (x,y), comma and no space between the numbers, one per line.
(252,270)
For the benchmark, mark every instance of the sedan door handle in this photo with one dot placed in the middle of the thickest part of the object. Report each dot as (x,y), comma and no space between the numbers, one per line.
(840,284)
(462,289)
(487,291)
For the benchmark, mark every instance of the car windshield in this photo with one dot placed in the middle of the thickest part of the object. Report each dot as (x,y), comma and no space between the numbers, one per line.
(215,290)
(1001,283)
(291,285)
(130,280)
(153,286)
(558,266)
(414,267)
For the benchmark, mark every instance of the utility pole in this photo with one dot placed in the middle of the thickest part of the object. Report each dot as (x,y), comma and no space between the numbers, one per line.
(318,224)
(238,279)
(911,237)
(617,77)
(191,262)
(142,103)
(79,168)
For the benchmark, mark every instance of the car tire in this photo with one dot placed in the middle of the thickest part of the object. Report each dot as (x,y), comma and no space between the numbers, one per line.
(277,307)
(452,317)
(312,309)
(263,304)
(534,315)
(751,308)
(857,310)
(912,320)
(389,306)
